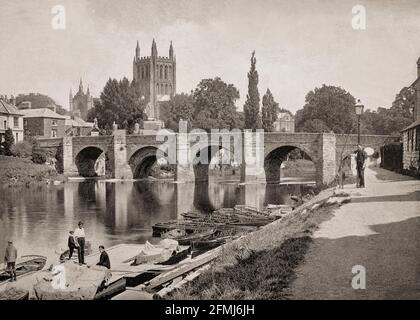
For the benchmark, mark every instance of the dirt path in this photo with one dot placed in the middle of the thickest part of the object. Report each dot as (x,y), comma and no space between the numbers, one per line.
(379,230)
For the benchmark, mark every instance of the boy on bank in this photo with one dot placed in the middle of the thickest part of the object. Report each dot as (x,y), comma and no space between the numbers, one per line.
(72,244)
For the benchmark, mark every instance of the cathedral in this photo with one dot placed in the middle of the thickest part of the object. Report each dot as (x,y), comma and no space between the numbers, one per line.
(155,77)
(81,103)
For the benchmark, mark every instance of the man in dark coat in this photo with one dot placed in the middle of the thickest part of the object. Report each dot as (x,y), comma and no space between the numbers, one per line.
(361,157)
(10,260)
(104,258)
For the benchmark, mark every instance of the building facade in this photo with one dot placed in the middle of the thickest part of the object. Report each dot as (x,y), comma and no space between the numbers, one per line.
(10,118)
(80,103)
(411,134)
(284,123)
(155,77)
(43,123)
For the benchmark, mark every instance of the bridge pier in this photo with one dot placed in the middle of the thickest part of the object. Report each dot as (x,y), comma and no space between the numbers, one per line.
(184,171)
(121,168)
(326,164)
(69,166)
(252,157)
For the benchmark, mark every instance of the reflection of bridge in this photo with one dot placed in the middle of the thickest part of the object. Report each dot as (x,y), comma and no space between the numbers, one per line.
(132,156)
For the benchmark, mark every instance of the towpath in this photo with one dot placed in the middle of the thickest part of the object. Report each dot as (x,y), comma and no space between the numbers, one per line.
(379,230)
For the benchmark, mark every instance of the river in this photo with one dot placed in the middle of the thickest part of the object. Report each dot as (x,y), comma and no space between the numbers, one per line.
(38,219)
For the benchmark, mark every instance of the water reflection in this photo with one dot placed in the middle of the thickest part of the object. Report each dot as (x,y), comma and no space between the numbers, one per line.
(39,219)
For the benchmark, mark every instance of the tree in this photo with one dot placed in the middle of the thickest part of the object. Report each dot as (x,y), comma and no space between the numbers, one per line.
(120,102)
(252,103)
(214,105)
(315,125)
(39,100)
(269,111)
(327,108)
(8,142)
(181,106)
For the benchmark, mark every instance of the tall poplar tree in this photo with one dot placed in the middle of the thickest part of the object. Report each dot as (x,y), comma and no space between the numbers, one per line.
(252,103)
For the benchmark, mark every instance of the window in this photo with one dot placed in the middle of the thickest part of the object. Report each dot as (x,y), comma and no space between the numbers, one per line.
(166,72)
(5,124)
(161,72)
(166,88)
(54,122)
(16,122)
(54,133)
(17,138)
(25,123)
(157,88)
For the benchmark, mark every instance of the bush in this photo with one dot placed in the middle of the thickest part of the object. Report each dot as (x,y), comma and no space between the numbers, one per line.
(8,142)
(39,156)
(21,149)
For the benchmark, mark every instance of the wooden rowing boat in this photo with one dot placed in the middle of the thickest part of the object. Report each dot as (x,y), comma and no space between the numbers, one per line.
(186,239)
(24,265)
(108,291)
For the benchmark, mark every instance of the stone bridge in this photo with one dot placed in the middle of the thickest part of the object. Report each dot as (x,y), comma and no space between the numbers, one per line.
(132,156)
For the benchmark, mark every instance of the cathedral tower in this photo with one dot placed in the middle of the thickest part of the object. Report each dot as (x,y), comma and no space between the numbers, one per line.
(155,77)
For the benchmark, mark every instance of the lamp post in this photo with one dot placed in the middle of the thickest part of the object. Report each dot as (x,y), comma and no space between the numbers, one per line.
(359,110)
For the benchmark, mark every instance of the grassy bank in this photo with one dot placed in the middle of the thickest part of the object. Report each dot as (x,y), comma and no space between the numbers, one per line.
(262,264)
(15,172)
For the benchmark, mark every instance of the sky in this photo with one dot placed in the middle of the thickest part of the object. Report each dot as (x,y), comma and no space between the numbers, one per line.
(299,45)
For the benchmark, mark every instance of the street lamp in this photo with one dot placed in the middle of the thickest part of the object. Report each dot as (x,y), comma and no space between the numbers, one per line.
(359,110)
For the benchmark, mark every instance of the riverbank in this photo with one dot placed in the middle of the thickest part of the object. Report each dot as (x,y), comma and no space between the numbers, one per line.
(262,264)
(19,172)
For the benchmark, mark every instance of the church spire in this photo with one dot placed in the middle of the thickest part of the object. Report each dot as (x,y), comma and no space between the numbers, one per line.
(80,86)
(154,48)
(171,51)
(138,50)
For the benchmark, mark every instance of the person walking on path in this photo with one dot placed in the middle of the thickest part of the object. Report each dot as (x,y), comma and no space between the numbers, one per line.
(79,234)
(361,157)
(10,260)
(72,244)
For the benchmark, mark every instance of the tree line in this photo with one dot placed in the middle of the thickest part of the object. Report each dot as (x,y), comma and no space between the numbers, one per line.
(212,104)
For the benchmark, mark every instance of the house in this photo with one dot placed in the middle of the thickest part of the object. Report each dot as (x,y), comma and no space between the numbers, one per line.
(43,123)
(10,117)
(411,134)
(284,123)
(75,126)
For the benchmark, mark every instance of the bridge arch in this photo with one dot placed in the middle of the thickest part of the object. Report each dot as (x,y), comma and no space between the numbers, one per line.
(90,161)
(275,157)
(142,161)
(203,158)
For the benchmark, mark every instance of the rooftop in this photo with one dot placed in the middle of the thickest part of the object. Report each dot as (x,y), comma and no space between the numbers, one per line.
(8,108)
(41,113)
(77,122)
(414,124)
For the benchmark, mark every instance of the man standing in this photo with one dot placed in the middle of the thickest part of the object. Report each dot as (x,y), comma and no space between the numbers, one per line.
(104,258)
(79,234)
(361,157)
(10,260)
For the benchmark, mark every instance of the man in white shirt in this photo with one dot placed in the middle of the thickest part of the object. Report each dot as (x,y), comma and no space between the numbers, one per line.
(79,235)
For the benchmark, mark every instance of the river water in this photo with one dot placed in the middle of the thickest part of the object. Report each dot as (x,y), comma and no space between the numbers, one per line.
(38,219)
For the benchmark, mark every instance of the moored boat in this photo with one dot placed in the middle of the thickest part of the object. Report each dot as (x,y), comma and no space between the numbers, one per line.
(24,265)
